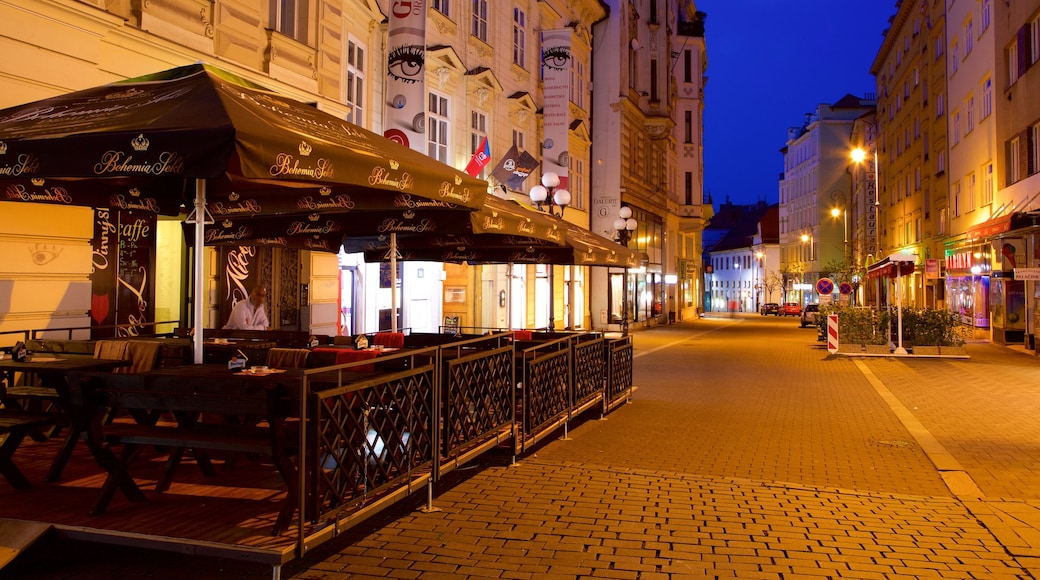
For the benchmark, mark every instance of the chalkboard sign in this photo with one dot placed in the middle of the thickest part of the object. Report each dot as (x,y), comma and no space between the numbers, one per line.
(451,324)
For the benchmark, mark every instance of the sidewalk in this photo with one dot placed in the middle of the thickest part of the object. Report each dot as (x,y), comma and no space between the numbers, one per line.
(748,452)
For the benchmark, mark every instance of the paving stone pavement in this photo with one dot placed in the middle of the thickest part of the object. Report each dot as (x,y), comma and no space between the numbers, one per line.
(747,451)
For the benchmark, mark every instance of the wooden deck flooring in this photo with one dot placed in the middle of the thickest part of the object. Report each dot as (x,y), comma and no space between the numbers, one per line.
(231,513)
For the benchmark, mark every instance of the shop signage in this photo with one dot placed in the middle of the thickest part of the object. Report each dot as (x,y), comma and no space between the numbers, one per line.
(1027,273)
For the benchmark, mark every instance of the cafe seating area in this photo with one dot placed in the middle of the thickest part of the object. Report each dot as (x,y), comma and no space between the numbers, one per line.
(308,438)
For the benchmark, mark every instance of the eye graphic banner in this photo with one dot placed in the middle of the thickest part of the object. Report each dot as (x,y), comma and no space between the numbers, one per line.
(406,74)
(556,71)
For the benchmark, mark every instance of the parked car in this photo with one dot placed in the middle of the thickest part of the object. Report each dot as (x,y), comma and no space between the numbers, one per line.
(770,308)
(791,309)
(810,314)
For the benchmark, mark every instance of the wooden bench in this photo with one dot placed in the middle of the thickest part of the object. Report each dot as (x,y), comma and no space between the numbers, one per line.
(16,425)
(250,418)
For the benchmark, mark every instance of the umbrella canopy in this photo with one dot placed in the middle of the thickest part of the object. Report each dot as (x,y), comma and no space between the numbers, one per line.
(159,141)
(154,132)
(576,246)
(500,222)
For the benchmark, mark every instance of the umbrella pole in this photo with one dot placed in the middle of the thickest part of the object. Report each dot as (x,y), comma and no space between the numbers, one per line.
(393,282)
(200,225)
(509,296)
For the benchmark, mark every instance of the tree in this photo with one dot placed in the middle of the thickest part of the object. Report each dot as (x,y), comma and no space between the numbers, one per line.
(772,282)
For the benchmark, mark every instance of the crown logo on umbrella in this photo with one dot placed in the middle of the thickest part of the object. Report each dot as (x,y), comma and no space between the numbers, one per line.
(409,214)
(305,148)
(227,224)
(233,196)
(394,164)
(37,181)
(325,191)
(135,192)
(140,143)
(314,217)
(3,147)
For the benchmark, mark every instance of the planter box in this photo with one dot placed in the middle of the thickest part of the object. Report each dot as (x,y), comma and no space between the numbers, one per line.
(850,348)
(878,349)
(953,350)
(926,350)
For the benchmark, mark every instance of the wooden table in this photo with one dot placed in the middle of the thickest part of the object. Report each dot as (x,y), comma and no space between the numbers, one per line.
(53,371)
(215,410)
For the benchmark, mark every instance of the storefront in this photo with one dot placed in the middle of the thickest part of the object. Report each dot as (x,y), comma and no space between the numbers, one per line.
(991,280)
(967,283)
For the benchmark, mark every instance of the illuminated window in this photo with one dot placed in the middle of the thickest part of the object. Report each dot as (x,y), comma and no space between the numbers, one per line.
(437,128)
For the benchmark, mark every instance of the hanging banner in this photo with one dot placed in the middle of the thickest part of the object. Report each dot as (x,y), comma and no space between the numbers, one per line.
(135,293)
(104,264)
(405,108)
(240,272)
(556,72)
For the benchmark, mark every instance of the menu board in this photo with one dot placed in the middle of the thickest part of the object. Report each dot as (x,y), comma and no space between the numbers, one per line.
(135,292)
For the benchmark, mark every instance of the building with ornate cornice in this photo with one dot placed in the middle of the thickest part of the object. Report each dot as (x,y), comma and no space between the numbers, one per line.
(910,69)
(815,183)
(484,78)
(649,69)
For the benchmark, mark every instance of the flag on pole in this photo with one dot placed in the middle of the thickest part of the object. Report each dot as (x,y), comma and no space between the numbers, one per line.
(481,157)
(504,170)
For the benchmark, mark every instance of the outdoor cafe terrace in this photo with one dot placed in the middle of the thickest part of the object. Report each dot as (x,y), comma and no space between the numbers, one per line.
(125,441)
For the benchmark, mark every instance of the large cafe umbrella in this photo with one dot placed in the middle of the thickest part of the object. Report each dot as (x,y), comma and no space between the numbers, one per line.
(571,244)
(159,140)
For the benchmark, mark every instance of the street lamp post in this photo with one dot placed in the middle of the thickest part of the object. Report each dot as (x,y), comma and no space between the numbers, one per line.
(759,277)
(844,213)
(624,225)
(552,196)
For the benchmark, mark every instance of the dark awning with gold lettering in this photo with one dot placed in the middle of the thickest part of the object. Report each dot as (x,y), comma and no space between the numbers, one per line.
(144,141)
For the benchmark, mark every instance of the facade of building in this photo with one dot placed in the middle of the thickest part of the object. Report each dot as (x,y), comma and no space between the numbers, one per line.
(817,183)
(744,260)
(486,76)
(913,150)
(649,63)
(957,159)
(1014,304)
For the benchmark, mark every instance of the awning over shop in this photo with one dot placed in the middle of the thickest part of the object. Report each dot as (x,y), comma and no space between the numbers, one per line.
(990,228)
(893,266)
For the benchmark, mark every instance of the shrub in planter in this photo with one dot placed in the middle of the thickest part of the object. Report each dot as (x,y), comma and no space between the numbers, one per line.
(930,327)
(857,325)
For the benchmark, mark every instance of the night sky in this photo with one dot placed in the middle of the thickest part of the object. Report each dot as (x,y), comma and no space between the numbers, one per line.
(770,63)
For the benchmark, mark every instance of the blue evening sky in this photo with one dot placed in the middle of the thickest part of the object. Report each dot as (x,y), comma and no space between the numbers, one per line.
(769,63)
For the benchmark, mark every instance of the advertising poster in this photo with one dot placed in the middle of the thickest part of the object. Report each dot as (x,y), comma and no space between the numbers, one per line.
(135,290)
(104,264)
(556,70)
(239,272)
(406,74)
